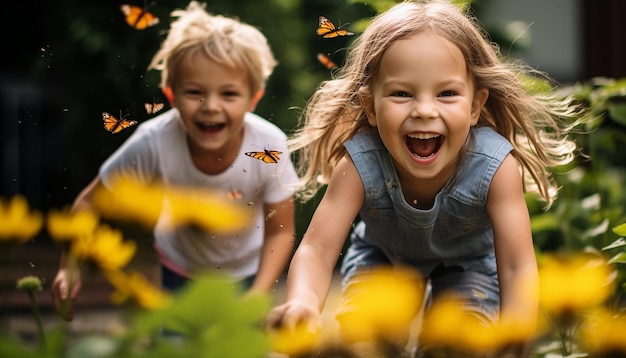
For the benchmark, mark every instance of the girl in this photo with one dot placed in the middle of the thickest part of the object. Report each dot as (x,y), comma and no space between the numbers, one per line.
(431,140)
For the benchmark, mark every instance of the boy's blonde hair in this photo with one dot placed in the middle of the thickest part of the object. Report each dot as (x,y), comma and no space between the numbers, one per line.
(536,126)
(226,41)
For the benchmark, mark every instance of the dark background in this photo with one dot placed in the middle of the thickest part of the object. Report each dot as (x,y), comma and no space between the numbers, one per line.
(66,61)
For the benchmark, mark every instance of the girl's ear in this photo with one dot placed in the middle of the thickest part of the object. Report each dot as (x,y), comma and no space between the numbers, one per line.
(169,94)
(255,99)
(480,98)
(367,103)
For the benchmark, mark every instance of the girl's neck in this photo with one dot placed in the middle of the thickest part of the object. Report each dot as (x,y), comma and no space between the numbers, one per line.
(421,193)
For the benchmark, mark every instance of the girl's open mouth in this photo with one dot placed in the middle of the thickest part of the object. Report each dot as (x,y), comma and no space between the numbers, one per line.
(424,145)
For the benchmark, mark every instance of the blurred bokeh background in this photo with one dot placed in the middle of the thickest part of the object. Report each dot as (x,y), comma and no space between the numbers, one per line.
(67,61)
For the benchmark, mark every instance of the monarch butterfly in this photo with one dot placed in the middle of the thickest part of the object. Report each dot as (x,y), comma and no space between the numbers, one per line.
(137,17)
(268,156)
(154,107)
(115,125)
(326,61)
(234,194)
(328,30)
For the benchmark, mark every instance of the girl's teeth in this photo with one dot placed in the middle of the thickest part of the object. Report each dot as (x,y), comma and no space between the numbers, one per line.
(423,135)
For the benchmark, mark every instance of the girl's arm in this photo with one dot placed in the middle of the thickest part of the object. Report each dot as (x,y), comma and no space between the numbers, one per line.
(311,269)
(278,244)
(515,255)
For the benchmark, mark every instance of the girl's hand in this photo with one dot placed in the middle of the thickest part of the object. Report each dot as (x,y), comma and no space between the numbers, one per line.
(291,314)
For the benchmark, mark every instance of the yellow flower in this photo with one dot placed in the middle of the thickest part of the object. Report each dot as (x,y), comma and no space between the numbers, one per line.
(448,325)
(137,287)
(207,209)
(105,247)
(295,342)
(573,283)
(129,200)
(64,226)
(602,334)
(16,220)
(381,304)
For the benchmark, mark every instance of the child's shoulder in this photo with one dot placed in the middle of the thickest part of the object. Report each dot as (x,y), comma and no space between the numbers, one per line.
(487,137)
(261,126)
(159,123)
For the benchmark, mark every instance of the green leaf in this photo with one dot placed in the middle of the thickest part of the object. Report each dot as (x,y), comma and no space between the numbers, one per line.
(544,222)
(620,230)
(10,347)
(617,112)
(211,318)
(595,231)
(617,243)
(619,258)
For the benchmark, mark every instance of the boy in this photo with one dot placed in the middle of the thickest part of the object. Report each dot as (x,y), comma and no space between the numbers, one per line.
(213,71)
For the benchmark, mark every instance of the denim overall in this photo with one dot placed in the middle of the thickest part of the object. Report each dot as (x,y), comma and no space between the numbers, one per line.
(450,243)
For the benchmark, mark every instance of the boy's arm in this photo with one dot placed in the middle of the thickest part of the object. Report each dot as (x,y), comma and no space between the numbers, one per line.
(68,277)
(515,255)
(278,245)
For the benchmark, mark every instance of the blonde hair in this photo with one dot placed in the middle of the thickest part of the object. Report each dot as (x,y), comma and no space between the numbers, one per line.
(224,40)
(536,126)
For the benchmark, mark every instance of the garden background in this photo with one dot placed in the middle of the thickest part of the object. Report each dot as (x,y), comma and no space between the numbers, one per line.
(67,61)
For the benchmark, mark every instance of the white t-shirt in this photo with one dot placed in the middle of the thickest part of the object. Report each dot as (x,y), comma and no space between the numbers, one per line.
(158,151)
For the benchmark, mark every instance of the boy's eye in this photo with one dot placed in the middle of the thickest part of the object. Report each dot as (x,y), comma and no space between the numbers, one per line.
(230,93)
(191,92)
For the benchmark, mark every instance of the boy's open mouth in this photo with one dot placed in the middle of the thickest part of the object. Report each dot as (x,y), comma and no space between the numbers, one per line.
(424,145)
(210,127)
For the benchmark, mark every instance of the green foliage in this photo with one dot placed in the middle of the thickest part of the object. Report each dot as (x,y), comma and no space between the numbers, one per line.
(589,213)
(209,318)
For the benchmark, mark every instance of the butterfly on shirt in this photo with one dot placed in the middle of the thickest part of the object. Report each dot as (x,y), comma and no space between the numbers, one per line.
(326,61)
(138,17)
(154,107)
(114,124)
(267,156)
(328,30)
(234,194)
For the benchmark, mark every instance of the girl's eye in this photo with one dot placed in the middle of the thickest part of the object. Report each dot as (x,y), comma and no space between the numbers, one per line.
(400,94)
(447,93)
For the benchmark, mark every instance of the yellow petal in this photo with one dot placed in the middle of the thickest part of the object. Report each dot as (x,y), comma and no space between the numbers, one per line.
(16,220)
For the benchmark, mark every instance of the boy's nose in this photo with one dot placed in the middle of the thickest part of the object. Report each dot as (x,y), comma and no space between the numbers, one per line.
(209,103)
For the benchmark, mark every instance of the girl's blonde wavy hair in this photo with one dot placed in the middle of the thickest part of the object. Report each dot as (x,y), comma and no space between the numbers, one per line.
(226,41)
(537,126)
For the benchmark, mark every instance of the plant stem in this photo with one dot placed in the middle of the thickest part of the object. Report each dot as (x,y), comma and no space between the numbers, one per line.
(35,306)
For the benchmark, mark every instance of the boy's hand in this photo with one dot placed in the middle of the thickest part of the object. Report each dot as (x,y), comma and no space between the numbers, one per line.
(64,291)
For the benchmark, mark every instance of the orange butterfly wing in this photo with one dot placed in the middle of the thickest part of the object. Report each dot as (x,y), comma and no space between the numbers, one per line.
(154,107)
(326,61)
(115,125)
(234,194)
(138,17)
(267,156)
(328,30)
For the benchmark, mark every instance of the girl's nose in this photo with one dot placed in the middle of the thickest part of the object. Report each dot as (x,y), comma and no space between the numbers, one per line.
(424,109)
